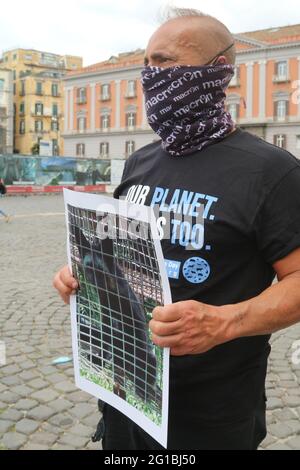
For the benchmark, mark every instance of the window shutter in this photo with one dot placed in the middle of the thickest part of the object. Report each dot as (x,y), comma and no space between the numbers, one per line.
(287,108)
(275,109)
(284,142)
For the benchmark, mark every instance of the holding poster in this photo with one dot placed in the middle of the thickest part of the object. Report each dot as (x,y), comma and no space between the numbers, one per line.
(115,253)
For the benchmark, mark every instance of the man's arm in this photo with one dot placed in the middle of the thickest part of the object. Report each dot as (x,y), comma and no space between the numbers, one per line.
(194,328)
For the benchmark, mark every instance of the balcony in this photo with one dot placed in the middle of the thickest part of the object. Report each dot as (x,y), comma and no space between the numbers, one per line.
(38,132)
(131,128)
(285,118)
(41,114)
(235,82)
(105,97)
(81,101)
(131,94)
(281,79)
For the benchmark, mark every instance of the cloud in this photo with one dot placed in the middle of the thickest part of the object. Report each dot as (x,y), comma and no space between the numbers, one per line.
(97,29)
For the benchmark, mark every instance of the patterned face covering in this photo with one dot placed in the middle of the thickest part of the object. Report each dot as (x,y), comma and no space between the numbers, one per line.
(186,106)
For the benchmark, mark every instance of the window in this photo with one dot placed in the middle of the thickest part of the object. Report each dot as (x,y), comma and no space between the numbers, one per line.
(281,110)
(80,150)
(235,81)
(15,56)
(38,126)
(105,92)
(234,110)
(39,109)
(81,95)
(131,89)
(54,89)
(280,140)
(22,108)
(54,125)
(23,88)
(15,88)
(22,126)
(2,82)
(105,122)
(131,120)
(129,147)
(81,124)
(54,110)
(298,141)
(39,88)
(14,75)
(281,71)
(104,149)
(55,149)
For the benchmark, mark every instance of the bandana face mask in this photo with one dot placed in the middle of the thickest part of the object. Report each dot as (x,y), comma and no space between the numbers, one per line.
(186,106)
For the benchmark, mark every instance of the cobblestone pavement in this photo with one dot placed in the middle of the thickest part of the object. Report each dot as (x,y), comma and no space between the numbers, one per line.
(40,407)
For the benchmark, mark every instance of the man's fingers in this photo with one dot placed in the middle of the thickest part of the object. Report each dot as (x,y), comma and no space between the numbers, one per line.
(66,299)
(169,313)
(67,278)
(167,341)
(165,329)
(62,288)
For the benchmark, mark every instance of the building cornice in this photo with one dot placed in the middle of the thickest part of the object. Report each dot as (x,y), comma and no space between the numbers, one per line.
(96,73)
(271,47)
(125,132)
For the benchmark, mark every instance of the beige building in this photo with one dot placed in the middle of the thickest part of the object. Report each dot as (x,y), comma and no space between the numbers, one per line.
(6,112)
(38,98)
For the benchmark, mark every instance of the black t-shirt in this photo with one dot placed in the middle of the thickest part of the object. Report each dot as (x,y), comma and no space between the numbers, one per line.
(229,213)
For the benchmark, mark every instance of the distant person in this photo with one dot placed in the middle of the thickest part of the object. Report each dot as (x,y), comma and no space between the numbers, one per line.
(3,191)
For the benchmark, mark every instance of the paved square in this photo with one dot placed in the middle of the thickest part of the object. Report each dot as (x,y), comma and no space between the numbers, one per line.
(40,408)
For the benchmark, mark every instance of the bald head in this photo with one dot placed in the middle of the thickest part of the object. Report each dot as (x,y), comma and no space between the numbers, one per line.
(190,38)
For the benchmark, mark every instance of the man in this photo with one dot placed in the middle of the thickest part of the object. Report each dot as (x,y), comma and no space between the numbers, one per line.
(246,192)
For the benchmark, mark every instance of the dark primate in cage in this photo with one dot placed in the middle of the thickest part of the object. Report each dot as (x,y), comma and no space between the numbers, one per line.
(117,275)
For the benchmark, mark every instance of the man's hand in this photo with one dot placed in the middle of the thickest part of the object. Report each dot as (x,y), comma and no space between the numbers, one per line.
(190,328)
(65,283)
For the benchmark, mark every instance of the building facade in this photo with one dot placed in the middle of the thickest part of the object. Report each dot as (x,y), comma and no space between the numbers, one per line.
(38,98)
(6,112)
(264,95)
(105,111)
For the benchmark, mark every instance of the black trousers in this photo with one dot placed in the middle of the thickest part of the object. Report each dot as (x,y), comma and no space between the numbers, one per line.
(245,434)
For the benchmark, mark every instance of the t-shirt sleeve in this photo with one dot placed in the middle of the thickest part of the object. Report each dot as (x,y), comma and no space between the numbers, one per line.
(126,173)
(277,225)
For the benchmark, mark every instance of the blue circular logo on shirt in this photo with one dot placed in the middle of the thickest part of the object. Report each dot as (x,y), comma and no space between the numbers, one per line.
(196,270)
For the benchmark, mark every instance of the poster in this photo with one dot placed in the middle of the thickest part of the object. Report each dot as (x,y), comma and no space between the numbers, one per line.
(115,253)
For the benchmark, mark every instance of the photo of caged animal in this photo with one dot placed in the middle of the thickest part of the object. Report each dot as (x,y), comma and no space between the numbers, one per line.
(119,342)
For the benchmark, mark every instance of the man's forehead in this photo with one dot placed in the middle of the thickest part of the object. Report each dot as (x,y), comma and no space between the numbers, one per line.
(169,35)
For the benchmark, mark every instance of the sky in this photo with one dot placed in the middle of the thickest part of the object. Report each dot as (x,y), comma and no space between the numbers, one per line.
(98,29)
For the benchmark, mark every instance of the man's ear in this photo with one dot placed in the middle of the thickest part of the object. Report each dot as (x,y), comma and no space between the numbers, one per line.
(222,60)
